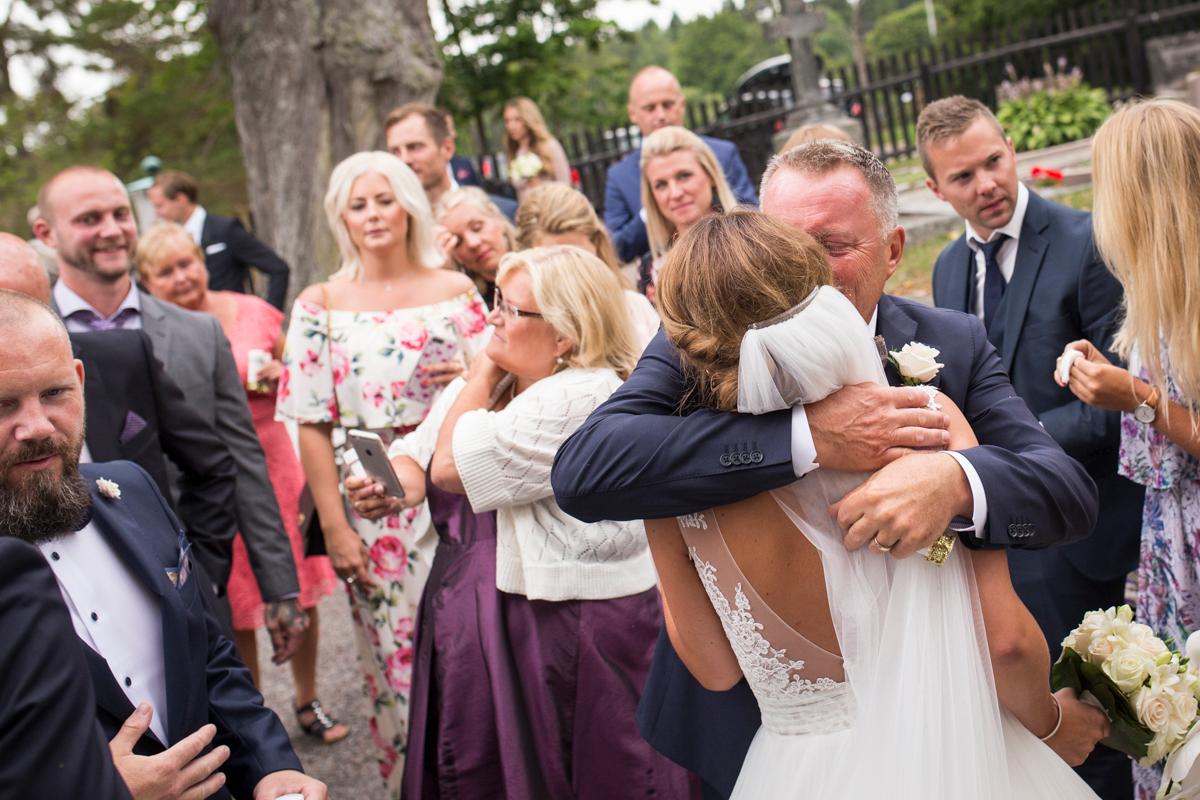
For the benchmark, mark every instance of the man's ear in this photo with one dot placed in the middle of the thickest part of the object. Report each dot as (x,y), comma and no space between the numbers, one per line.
(932,186)
(895,245)
(44,233)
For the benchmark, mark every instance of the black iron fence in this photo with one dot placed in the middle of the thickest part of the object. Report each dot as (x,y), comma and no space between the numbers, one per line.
(1107,41)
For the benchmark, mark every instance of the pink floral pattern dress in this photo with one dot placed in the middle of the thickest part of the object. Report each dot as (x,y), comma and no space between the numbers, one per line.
(367,358)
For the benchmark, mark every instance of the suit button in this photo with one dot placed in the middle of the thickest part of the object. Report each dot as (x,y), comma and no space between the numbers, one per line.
(756,456)
(95,617)
(725,460)
(128,681)
(54,556)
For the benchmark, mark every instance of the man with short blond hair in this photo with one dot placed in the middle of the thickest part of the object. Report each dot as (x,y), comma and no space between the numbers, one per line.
(1029,270)
(656,101)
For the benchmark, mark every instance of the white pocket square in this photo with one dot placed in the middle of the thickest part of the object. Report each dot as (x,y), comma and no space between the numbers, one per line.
(216,247)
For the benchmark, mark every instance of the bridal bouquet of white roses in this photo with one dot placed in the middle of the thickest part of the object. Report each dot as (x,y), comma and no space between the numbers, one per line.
(525,166)
(1148,691)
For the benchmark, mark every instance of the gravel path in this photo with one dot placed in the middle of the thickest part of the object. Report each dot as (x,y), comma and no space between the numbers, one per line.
(348,767)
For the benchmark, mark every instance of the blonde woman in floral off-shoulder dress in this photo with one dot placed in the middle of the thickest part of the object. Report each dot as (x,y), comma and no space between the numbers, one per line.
(353,348)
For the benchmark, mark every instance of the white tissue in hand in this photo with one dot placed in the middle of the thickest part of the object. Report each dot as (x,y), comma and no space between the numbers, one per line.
(1064,366)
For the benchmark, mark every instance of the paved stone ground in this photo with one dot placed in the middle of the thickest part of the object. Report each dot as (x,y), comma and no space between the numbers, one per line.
(348,767)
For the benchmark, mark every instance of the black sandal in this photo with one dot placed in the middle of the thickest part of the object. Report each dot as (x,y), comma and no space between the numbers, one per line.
(321,723)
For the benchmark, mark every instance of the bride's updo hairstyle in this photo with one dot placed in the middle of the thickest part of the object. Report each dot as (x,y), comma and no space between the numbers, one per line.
(726,273)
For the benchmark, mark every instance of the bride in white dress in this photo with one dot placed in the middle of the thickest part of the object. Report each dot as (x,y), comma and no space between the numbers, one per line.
(875,676)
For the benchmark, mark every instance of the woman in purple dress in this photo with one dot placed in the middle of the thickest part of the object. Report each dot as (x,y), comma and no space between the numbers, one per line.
(536,630)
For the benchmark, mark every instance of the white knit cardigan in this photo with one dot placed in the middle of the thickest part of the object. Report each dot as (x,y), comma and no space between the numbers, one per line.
(504,459)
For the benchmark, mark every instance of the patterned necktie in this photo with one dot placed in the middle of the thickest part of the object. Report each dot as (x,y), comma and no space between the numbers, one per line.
(96,322)
(993,282)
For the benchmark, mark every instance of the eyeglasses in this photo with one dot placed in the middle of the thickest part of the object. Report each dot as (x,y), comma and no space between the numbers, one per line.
(508,309)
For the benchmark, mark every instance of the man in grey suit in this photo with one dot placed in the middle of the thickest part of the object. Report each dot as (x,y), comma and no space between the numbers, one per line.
(88,222)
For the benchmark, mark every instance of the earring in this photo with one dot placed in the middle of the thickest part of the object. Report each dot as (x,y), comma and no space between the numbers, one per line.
(560,363)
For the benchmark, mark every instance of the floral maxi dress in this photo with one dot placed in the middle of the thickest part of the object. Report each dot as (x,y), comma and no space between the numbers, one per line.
(368,359)
(1168,594)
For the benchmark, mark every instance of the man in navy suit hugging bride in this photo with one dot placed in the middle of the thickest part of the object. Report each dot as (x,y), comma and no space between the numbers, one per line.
(167,682)
(639,457)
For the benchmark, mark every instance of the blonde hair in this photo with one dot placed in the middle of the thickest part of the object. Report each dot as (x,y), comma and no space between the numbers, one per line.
(158,241)
(758,267)
(946,119)
(813,132)
(556,208)
(477,199)
(539,135)
(409,194)
(663,142)
(578,295)
(1146,218)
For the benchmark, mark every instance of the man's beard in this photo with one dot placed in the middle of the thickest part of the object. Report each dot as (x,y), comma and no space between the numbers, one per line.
(44,505)
(84,261)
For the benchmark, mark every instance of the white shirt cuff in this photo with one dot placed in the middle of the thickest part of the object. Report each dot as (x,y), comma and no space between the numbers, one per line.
(642,215)
(804,450)
(979,499)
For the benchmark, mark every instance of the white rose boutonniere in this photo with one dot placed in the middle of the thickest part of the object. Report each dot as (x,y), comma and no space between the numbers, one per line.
(108,488)
(917,363)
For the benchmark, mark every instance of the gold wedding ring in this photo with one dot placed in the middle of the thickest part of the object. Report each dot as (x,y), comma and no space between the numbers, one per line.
(883,548)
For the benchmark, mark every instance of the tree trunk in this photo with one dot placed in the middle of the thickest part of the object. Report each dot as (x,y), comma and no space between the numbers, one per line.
(312,82)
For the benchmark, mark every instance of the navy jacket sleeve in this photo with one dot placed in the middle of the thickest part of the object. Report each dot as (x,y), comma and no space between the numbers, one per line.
(739,179)
(53,745)
(208,474)
(1037,495)
(250,251)
(258,742)
(1081,429)
(621,217)
(636,458)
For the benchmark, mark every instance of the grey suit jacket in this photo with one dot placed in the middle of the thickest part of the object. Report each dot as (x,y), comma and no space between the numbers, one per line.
(196,354)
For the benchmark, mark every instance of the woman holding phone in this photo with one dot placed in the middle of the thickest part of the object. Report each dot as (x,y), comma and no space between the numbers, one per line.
(355,358)
(537,630)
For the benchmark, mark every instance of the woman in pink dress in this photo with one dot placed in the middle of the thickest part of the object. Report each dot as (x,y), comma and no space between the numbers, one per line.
(171,267)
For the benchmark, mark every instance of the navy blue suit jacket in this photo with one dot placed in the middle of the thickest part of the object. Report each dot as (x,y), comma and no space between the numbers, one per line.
(464,172)
(623,195)
(230,251)
(52,744)
(206,681)
(636,457)
(1060,291)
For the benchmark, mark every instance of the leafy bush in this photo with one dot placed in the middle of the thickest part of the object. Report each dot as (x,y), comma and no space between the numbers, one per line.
(1045,111)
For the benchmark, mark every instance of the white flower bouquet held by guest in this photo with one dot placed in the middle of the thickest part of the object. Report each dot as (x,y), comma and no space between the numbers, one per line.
(1147,228)
(534,156)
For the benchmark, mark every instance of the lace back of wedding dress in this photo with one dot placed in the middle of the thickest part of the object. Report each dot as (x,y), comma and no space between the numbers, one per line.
(800,687)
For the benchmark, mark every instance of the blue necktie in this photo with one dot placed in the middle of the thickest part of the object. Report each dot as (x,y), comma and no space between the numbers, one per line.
(993,282)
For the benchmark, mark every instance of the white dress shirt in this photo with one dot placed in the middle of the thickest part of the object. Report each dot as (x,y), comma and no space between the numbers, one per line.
(195,223)
(804,455)
(1006,256)
(115,614)
(69,302)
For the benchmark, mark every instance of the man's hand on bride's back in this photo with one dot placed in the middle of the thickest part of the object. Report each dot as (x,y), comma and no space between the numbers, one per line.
(861,428)
(1082,727)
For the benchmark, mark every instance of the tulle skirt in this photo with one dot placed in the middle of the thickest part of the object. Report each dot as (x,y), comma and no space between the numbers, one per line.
(816,767)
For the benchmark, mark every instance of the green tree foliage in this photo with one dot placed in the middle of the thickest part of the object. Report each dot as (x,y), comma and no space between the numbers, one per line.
(905,31)
(711,52)
(499,49)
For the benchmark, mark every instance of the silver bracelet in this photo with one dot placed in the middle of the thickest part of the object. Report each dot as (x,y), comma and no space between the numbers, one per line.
(1057,724)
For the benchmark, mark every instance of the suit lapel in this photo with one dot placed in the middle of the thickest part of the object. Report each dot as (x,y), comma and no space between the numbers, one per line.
(1031,252)
(897,329)
(154,322)
(961,277)
(103,431)
(119,528)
